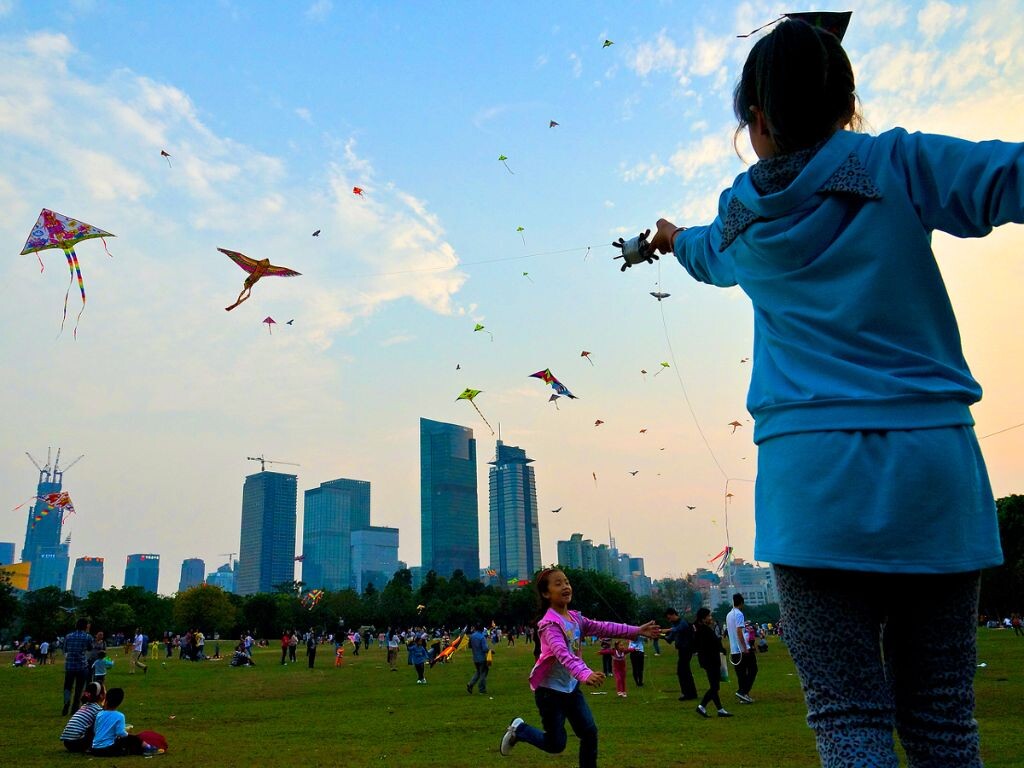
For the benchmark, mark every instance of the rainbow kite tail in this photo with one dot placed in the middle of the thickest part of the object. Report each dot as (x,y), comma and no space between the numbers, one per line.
(71,269)
(81,287)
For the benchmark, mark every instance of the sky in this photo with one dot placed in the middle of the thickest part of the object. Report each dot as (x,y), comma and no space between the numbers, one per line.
(273,112)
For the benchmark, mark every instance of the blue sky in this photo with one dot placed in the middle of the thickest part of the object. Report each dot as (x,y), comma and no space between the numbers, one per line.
(272,112)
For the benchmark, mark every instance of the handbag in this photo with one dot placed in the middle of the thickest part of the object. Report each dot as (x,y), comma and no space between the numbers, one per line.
(723,668)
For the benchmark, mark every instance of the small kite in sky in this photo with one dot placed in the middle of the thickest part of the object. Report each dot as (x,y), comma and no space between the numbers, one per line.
(595,477)
(729,495)
(470,394)
(256,269)
(643,431)
(502,159)
(527,276)
(54,230)
(663,367)
(556,511)
(300,558)
(735,425)
(607,43)
(586,354)
(290,321)
(549,378)
(270,322)
(552,124)
(358,191)
(598,422)
(312,599)
(659,295)
(634,472)
(745,360)
(690,507)
(458,366)
(554,399)
(520,230)
(481,328)
(643,372)
(317,233)
(164,154)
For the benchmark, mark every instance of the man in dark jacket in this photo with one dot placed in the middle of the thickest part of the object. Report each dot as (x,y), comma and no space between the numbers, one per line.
(681,635)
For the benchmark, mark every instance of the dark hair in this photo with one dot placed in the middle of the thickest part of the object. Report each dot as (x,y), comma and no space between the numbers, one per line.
(114,698)
(702,613)
(82,624)
(800,77)
(671,612)
(93,691)
(541,585)
(737,600)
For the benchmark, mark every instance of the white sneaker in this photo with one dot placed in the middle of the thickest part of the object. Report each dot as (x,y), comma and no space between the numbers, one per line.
(508,739)
(744,698)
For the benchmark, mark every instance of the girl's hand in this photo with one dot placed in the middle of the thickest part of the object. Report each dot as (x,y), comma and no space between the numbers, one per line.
(596,679)
(651,629)
(662,240)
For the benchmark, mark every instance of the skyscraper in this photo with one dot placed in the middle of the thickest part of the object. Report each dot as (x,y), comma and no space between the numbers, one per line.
(331,514)
(374,557)
(193,570)
(266,552)
(6,552)
(515,536)
(449,519)
(142,570)
(43,547)
(223,577)
(87,576)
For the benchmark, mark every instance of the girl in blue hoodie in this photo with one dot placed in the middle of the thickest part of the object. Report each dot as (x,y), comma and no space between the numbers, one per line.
(872,501)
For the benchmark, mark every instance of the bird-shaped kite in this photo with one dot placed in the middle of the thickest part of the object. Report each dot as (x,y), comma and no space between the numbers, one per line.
(290,322)
(663,367)
(358,191)
(552,124)
(270,322)
(458,366)
(470,394)
(554,399)
(54,230)
(549,378)
(659,295)
(481,328)
(164,154)
(607,43)
(520,230)
(317,233)
(735,425)
(256,269)
(598,422)
(690,507)
(586,354)
(502,159)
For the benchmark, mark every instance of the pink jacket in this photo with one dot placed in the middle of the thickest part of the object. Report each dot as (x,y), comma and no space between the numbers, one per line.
(555,648)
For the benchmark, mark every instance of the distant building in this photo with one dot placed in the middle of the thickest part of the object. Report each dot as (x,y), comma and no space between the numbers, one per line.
(193,570)
(515,529)
(756,584)
(577,552)
(266,551)
(87,576)
(331,514)
(6,552)
(374,557)
(43,548)
(449,518)
(223,577)
(50,567)
(142,570)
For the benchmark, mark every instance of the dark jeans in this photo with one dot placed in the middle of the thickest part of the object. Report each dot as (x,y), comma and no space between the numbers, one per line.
(636,663)
(284,654)
(311,655)
(76,680)
(291,653)
(481,676)
(687,687)
(714,683)
(746,671)
(555,708)
(123,745)
(419,672)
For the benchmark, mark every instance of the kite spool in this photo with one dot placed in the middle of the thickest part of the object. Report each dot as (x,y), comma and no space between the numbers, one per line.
(635,250)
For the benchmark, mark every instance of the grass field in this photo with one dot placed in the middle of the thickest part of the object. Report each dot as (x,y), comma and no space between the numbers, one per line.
(362,714)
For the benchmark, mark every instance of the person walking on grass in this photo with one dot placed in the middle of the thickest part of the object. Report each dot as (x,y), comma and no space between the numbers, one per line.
(418,658)
(861,396)
(77,646)
(710,654)
(478,646)
(742,651)
(559,670)
(681,636)
(617,655)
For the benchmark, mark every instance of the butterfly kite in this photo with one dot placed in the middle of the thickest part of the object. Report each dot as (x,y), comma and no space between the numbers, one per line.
(54,230)
(470,394)
(549,378)
(256,269)
(59,501)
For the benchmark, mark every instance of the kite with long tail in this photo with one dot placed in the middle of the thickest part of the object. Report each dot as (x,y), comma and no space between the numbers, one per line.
(470,394)
(59,501)
(256,268)
(54,230)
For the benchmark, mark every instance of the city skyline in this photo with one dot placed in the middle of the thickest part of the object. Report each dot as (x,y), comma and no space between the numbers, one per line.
(330,514)
(515,551)
(449,502)
(266,549)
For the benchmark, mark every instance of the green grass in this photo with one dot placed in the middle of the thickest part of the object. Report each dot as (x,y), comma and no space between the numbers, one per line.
(362,714)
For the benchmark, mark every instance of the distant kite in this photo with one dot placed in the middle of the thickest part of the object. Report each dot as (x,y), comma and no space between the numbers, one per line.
(556,511)
(745,360)
(270,323)
(663,367)
(312,599)
(358,191)
(502,159)
(300,558)
(607,43)
(554,399)
(643,372)
(586,354)
(598,422)
(735,425)
(165,155)
(290,322)
(659,295)
(256,269)
(635,472)
(527,276)
(470,394)
(317,233)
(520,230)
(643,431)
(595,477)
(691,508)
(552,124)
(481,328)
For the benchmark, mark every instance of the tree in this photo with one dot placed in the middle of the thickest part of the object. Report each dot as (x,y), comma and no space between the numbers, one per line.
(598,595)
(1002,587)
(44,613)
(206,608)
(8,605)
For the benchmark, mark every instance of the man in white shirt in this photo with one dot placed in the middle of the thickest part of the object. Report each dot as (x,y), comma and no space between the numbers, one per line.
(742,653)
(138,652)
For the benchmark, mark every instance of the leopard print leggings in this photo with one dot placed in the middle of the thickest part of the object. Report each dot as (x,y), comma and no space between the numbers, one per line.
(877,652)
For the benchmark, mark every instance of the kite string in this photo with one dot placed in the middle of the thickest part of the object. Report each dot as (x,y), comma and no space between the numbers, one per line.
(999,432)
(587,248)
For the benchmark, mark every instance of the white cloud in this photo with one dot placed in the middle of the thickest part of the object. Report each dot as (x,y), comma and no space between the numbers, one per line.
(304,114)
(319,10)
(938,17)
(645,171)
(709,153)
(660,56)
(577,64)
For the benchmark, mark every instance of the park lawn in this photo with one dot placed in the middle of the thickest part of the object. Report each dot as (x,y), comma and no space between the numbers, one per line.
(361,714)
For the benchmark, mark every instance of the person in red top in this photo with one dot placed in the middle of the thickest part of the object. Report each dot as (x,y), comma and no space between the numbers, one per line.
(618,654)
(286,640)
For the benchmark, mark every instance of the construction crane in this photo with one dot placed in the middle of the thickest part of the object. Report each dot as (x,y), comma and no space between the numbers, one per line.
(231,558)
(46,471)
(263,462)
